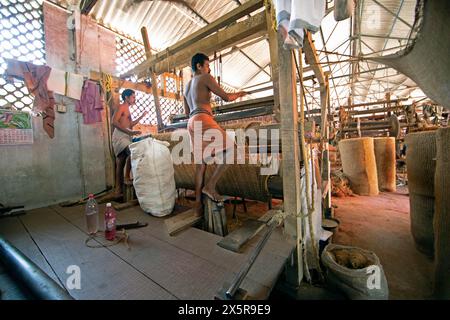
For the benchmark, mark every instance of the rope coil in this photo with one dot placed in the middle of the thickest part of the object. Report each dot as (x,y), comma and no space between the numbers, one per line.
(121,235)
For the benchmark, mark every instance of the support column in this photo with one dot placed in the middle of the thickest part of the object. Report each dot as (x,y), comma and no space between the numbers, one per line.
(290,161)
(274,67)
(153,78)
(324,138)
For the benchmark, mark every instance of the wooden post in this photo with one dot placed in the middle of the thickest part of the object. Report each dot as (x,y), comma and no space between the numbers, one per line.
(153,78)
(107,142)
(291,161)
(274,67)
(324,138)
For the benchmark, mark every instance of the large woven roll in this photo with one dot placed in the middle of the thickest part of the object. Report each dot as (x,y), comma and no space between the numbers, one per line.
(241,180)
(385,158)
(420,154)
(442,215)
(421,210)
(359,165)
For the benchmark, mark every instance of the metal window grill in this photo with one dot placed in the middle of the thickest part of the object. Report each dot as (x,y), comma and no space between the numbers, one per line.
(21,38)
(129,55)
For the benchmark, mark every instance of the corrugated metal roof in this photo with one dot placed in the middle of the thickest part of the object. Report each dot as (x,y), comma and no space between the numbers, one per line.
(169,22)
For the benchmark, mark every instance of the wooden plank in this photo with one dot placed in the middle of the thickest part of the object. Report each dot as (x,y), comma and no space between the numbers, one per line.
(103,274)
(181,222)
(239,32)
(120,83)
(13,230)
(183,271)
(197,36)
(202,244)
(236,239)
(290,162)
(274,61)
(313,59)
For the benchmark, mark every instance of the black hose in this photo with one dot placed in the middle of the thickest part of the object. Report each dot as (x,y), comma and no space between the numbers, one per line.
(25,271)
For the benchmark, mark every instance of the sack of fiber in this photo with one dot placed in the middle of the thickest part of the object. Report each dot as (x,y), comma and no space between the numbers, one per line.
(442,215)
(421,166)
(385,157)
(359,165)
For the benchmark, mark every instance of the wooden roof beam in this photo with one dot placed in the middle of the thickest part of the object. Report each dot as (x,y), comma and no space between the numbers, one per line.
(246,30)
(224,21)
(313,58)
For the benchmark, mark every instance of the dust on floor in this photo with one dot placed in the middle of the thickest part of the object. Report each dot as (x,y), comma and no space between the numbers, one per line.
(382,224)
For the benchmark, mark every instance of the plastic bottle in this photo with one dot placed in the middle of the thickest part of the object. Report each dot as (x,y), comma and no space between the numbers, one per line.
(91,215)
(110,222)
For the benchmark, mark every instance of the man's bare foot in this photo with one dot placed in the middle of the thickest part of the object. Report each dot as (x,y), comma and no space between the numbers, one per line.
(198,210)
(212,194)
(117,194)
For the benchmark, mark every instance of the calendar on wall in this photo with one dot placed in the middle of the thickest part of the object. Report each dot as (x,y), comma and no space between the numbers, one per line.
(15,127)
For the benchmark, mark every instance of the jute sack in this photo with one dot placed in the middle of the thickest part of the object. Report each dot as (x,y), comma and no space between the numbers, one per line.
(356,272)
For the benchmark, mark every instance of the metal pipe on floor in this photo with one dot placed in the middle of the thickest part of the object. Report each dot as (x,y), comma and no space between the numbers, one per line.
(25,271)
(239,278)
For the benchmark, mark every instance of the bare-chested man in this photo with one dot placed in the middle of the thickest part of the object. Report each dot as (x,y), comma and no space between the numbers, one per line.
(121,138)
(197,99)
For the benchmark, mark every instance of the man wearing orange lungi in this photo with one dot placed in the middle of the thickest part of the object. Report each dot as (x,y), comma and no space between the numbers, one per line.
(201,123)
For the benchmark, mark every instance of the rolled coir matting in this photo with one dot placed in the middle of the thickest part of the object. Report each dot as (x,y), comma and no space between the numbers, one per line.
(421,210)
(420,155)
(385,158)
(421,166)
(442,215)
(359,165)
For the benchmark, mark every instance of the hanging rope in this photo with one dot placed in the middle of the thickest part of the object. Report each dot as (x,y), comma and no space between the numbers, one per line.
(306,161)
(273,16)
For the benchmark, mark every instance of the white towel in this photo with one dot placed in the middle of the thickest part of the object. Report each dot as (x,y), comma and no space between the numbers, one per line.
(57,83)
(295,15)
(120,140)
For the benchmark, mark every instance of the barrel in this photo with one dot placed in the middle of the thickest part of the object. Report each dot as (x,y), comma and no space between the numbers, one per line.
(359,165)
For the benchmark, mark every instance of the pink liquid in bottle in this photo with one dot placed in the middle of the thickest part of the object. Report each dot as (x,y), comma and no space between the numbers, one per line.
(110,223)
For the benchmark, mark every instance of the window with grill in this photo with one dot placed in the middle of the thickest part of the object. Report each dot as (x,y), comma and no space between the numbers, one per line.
(129,55)
(21,38)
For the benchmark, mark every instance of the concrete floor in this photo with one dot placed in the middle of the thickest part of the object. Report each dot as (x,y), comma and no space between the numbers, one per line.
(381,224)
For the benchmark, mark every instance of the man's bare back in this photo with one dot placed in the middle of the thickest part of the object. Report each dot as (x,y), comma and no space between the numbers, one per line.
(198,92)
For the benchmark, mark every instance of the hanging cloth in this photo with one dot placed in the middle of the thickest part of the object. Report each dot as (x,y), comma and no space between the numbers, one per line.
(293,16)
(91,103)
(35,78)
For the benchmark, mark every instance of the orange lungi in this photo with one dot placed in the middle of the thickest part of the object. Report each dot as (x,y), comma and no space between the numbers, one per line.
(207,135)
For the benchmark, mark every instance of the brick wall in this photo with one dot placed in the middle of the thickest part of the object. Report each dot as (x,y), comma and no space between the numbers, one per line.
(56,37)
(96,46)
